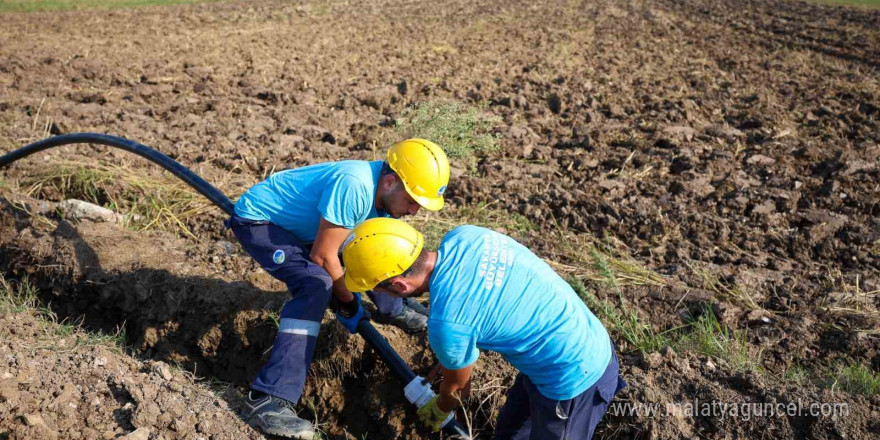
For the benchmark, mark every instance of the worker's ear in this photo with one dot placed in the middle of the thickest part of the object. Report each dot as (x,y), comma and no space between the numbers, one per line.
(399,286)
(388,181)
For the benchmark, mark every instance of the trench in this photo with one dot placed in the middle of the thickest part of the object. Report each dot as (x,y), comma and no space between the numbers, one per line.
(219,330)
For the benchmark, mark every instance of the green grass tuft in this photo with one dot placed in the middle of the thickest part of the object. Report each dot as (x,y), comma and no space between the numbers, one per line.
(796,374)
(707,336)
(600,263)
(17,297)
(464,132)
(625,322)
(857,379)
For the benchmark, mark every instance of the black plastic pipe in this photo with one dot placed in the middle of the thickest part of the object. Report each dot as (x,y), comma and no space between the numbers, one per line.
(364,328)
(182,172)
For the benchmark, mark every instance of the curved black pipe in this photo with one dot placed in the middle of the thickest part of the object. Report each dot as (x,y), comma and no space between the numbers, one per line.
(381,345)
(182,172)
(365,329)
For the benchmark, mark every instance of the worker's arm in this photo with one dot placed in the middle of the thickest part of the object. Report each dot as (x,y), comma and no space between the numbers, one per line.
(325,253)
(456,384)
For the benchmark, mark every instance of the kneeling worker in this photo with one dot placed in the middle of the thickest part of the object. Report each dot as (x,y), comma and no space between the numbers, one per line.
(489,292)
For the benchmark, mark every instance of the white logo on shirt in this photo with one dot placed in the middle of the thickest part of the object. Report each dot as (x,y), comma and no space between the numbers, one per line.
(497,258)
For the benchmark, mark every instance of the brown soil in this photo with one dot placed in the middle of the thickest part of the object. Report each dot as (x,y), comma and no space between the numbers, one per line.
(739,138)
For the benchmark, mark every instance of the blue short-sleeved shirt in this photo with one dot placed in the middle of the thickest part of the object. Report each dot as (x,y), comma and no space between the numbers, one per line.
(343,193)
(489,292)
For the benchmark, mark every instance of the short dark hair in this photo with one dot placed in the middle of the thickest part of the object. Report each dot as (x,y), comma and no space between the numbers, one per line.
(386,169)
(416,267)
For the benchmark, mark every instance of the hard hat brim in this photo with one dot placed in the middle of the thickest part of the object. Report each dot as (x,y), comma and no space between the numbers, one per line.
(429,203)
(355,286)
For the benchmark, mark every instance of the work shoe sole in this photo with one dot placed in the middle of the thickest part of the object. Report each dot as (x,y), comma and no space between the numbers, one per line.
(294,433)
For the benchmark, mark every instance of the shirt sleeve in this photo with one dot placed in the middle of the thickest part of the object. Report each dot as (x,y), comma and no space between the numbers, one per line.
(454,344)
(345,202)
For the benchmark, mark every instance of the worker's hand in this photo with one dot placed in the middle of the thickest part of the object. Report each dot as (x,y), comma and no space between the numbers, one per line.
(350,313)
(431,415)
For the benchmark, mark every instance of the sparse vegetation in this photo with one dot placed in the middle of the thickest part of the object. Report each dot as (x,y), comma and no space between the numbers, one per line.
(63,5)
(623,321)
(22,297)
(732,293)
(148,202)
(849,301)
(707,336)
(436,224)
(17,297)
(796,374)
(600,263)
(464,132)
(856,378)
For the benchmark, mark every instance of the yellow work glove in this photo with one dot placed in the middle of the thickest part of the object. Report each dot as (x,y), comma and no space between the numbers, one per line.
(431,416)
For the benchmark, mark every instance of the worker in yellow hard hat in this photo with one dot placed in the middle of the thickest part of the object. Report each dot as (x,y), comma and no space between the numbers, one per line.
(489,292)
(294,224)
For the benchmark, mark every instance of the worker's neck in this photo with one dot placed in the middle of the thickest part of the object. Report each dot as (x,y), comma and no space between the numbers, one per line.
(430,262)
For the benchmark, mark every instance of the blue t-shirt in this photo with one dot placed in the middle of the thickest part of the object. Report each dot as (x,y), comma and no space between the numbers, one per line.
(343,193)
(489,292)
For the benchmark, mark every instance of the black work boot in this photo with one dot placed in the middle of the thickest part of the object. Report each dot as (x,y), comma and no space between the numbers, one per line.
(415,305)
(275,416)
(412,319)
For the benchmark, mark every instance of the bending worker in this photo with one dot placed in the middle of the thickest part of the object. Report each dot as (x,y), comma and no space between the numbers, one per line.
(489,292)
(294,224)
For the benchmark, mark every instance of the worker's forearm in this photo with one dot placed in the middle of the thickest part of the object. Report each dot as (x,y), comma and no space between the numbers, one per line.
(340,291)
(448,397)
(331,264)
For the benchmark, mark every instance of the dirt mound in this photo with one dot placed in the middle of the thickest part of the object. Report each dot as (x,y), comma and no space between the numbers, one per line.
(56,385)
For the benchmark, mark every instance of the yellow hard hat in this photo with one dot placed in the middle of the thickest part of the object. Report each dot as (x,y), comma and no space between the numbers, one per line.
(424,170)
(379,249)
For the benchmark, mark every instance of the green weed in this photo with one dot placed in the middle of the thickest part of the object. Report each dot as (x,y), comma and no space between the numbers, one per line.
(600,263)
(320,433)
(464,132)
(796,374)
(857,379)
(707,336)
(17,297)
(625,322)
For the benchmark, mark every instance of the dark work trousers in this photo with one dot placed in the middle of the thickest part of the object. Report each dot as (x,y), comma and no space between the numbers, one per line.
(389,306)
(281,254)
(527,414)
